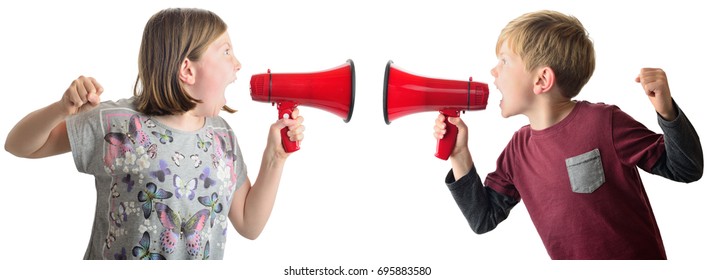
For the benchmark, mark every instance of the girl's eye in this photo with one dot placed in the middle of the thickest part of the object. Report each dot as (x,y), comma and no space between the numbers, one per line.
(228,52)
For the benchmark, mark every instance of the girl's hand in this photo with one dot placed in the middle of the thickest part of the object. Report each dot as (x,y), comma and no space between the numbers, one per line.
(82,95)
(295,133)
(654,82)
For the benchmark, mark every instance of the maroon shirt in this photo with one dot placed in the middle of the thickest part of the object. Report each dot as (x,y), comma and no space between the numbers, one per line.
(579,181)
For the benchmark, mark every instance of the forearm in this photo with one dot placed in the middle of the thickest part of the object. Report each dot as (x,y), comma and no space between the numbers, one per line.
(683,159)
(482,207)
(261,196)
(461,163)
(30,136)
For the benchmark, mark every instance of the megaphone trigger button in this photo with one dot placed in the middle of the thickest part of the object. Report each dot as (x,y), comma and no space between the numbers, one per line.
(286,116)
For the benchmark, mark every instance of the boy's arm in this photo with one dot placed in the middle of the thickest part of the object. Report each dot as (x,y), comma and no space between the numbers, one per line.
(683,160)
(43,133)
(483,207)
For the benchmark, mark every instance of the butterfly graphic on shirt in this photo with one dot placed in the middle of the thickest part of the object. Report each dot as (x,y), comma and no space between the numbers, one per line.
(177,229)
(143,251)
(201,144)
(122,255)
(109,240)
(119,216)
(122,142)
(128,181)
(212,203)
(207,250)
(113,190)
(162,172)
(207,181)
(164,137)
(148,195)
(196,160)
(185,189)
(222,151)
(149,123)
(177,158)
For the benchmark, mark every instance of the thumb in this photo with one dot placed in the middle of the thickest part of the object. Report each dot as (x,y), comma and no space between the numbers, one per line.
(457,122)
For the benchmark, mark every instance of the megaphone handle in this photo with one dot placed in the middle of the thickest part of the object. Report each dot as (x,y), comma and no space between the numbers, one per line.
(285,109)
(445,145)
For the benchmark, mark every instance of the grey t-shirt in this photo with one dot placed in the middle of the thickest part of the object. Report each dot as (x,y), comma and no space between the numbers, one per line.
(161,192)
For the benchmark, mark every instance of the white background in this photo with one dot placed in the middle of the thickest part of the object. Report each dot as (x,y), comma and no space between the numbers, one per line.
(361,194)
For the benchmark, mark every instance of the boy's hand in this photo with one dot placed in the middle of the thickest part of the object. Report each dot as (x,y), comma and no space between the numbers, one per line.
(461,161)
(462,135)
(82,95)
(654,82)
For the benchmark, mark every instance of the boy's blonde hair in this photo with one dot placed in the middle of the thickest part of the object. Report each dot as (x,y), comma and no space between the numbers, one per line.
(170,36)
(555,40)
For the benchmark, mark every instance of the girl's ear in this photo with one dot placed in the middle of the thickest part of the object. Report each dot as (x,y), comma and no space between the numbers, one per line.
(186,73)
(544,80)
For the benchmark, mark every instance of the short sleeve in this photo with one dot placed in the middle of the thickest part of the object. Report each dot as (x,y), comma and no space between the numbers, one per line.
(84,131)
(635,144)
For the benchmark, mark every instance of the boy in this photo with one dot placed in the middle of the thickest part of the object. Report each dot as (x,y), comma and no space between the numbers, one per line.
(575,165)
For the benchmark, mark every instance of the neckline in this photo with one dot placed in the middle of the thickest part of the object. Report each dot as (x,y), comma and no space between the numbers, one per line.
(558,126)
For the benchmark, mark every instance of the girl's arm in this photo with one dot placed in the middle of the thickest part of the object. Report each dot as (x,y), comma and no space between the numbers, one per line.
(43,133)
(251,206)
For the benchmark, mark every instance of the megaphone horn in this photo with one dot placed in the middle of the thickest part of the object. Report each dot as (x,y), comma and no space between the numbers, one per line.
(406,93)
(331,90)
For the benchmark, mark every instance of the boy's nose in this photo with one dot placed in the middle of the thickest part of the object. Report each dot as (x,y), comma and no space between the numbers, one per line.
(494,73)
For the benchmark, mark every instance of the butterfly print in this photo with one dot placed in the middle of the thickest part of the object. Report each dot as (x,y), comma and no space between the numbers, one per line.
(196,160)
(114,191)
(129,182)
(143,252)
(207,250)
(177,158)
(120,256)
(149,123)
(109,240)
(162,172)
(176,229)
(164,137)
(119,215)
(207,181)
(148,195)
(120,143)
(185,188)
(202,145)
(211,202)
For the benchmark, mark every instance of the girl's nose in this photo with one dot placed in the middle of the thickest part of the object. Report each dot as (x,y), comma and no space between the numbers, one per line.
(237,65)
(494,73)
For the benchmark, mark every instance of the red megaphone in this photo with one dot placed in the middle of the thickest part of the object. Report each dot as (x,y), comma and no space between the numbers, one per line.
(406,94)
(330,90)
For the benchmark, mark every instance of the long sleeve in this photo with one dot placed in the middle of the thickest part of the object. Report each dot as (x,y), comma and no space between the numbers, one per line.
(683,160)
(483,207)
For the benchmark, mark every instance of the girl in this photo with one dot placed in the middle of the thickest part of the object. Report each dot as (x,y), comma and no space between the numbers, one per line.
(168,170)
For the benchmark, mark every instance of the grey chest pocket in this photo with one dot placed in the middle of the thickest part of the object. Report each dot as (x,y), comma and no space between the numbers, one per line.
(585,172)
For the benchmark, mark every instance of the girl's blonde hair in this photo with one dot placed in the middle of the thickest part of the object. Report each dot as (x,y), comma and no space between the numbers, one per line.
(555,40)
(170,36)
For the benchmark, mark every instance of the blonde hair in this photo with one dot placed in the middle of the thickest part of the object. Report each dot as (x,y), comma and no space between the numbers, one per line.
(170,36)
(555,40)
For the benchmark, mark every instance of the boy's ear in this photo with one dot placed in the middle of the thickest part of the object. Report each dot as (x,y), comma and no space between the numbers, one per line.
(544,80)
(186,72)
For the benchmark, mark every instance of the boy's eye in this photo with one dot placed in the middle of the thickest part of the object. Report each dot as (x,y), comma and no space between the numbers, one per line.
(228,52)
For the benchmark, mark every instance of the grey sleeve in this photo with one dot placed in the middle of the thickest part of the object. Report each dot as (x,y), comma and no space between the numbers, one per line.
(683,160)
(483,207)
